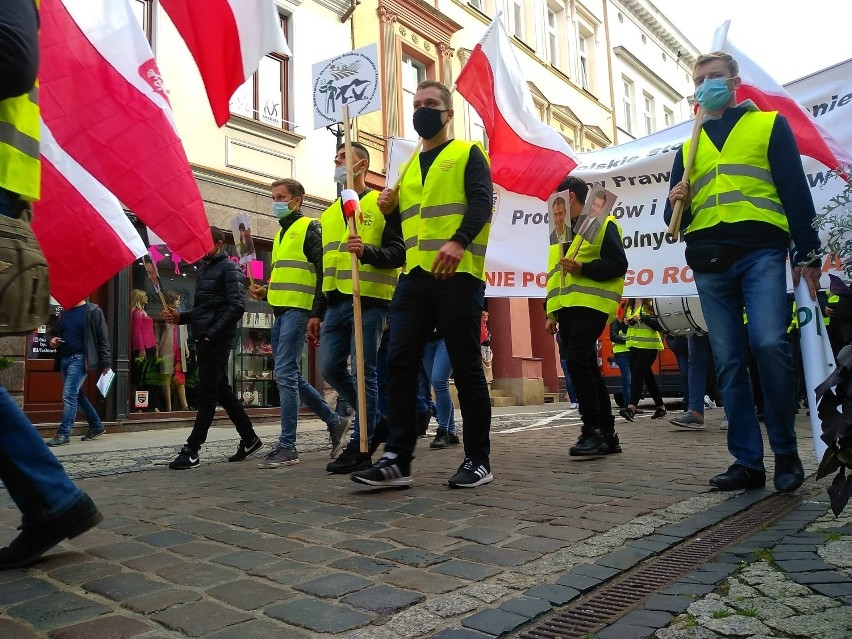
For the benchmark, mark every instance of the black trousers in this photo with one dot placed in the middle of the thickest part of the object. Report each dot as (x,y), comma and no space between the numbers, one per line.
(579,328)
(641,360)
(213,387)
(420,304)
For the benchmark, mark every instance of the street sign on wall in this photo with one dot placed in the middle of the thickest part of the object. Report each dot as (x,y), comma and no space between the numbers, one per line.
(349,79)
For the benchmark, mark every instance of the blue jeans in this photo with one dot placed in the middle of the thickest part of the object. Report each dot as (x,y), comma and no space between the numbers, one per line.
(337,339)
(436,361)
(699,359)
(683,370)
(622,360)
(288,342)
(35,479)
(756,281)
(73,371)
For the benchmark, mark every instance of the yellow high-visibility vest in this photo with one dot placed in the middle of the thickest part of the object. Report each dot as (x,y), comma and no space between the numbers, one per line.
(378,283)
(293,280)
(20,167)
(640,335)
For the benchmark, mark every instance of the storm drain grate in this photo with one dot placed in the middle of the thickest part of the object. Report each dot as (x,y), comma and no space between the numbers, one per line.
(603,607)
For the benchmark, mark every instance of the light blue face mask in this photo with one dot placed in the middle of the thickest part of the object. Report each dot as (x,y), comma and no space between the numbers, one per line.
(713,94)
(281,209)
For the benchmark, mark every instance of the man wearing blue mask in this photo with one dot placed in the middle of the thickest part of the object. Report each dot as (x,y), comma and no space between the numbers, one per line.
(744,198)
(295,294)
(445,202)
(378,246)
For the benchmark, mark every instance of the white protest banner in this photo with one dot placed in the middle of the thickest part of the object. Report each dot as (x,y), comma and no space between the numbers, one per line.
(349,79)
(638,173)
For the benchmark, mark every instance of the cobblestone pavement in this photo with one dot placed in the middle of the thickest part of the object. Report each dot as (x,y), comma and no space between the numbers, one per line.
(228,550)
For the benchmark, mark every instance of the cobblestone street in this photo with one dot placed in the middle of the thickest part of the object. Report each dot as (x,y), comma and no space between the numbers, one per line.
(229,550)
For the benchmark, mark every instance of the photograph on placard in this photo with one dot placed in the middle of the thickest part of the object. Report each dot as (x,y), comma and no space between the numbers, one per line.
(559,223)
(599,203)
(242,238)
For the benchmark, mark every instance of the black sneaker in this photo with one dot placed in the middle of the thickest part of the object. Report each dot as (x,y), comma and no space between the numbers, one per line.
(589,445)
(385,472)
(380,435)
(244,451)
(93,434)
(442,440)
(612,443)
(629,415)
(338,436)
(470,475)
(187,459)
(34,541)
(350,460)
(660,412)
(423,420)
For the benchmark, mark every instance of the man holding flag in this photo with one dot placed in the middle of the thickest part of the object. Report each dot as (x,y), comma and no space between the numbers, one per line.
(744,197)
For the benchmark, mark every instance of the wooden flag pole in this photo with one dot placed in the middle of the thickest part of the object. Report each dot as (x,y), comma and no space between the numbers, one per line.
(363,417)
(677,209)
(151,269)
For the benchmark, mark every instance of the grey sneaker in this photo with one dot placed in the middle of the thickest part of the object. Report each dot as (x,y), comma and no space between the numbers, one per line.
(338,436)
(689,421)
(59,440)
(279,457)
(93,434)
(724,424)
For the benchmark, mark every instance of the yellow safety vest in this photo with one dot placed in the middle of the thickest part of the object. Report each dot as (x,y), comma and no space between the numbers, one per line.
(293,280)
(20,168)
(619,348)
(735,184)
(432,211)
(378,283)
(642,336)
(579,290)
(794,321)
(832,299)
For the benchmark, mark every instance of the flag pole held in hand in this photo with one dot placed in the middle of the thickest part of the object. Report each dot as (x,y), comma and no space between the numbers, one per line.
(677,209)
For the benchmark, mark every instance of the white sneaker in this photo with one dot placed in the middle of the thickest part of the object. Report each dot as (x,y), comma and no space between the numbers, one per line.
(573,405)
(724,424)
(709,403)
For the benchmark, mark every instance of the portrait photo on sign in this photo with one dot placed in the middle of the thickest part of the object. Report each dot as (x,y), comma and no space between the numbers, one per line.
(599,203)
(242,238)
(559,223)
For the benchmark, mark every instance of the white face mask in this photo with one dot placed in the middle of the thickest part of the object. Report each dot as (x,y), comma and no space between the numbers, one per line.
(340,174)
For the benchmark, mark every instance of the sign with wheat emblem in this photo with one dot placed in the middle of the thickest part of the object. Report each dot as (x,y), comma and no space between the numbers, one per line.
(349,79)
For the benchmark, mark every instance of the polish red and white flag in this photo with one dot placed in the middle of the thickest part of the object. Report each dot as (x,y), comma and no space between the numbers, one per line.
(227,39)
(757,85)
(108,128)
(527,155)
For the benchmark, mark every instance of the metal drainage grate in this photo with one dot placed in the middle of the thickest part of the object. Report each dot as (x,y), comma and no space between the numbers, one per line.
(603,607)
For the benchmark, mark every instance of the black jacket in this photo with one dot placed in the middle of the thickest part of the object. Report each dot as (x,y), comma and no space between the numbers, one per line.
(219,300)
(18,47)
(95,339)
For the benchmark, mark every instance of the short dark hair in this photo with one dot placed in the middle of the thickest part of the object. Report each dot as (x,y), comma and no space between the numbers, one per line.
(293,187)
(217,234)
(559,200)
(360,150)
(242,226)
(446,97)
(577,186)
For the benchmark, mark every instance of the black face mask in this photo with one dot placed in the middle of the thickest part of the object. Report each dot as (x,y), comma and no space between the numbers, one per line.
(427,122)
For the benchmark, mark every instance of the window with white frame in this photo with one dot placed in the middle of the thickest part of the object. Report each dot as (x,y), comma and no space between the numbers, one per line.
(264,97)
(627,102)
(516,19)
(413,73)
(142,11)
(479,5)
(668,116)
(583,50)
(554,55)
(648,115)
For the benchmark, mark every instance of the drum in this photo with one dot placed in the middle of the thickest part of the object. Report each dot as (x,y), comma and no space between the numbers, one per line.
(680,315)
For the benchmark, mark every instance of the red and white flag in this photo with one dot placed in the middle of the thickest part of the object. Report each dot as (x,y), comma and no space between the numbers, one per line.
(227,39)
(757,86)
(106,116)
(527,155)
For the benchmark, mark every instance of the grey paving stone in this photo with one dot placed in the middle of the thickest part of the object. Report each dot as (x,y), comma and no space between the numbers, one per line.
(529,607)
(13,630)
(258,629)
(414,557)
(248,594)
(124,586)
(620,630)
(121,550)
(199,618)
(198,574)
(384,600)
(674,604)
(166,538)
(833,590)
(363,565)
(494,555)
(655,546)
(480,535)
(160,600)
(494,622)
(691,589)
(624,559)
(804,565)
(245,559)
(554,593)
(578,582)
(466,570)
(818,577)
(57,610)
(24,589)
(594,570)
(370,547)
(793,555)
(459,634)
(648,618)
(335,585)
(319,616)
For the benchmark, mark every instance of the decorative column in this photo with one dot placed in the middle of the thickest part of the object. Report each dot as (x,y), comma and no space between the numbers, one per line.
(390,71)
